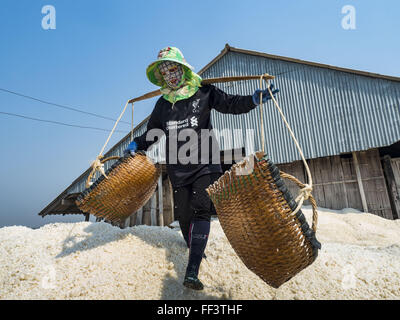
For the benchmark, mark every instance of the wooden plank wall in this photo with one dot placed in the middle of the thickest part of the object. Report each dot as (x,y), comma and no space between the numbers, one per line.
(168,202)
(391,168)
(335,182)
(396,170)
(150,212)
(374,183)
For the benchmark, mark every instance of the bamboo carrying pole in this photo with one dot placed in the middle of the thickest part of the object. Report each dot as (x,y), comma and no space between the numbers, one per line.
(156,93)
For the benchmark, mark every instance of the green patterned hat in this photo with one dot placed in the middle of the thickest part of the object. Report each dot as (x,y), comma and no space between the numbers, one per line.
(168,54)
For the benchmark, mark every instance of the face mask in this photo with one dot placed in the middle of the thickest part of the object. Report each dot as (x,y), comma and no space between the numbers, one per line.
(172,73)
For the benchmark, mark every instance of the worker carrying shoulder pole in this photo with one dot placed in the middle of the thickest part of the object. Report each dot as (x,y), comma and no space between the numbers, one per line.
(184,110)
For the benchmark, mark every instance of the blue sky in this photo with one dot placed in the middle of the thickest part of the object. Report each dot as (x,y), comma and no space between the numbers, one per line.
(96,58)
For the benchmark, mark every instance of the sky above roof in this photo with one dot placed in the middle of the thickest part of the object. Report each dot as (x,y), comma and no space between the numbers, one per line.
(95,60)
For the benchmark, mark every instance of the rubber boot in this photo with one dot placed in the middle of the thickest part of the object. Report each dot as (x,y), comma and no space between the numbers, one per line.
(198,237)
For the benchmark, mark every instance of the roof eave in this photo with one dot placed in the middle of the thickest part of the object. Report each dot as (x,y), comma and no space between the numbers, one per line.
(293,60)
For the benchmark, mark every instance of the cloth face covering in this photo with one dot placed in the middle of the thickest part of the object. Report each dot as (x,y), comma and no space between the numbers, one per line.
(172,73)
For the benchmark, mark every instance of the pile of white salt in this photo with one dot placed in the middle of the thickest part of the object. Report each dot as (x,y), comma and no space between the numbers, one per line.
(360,259)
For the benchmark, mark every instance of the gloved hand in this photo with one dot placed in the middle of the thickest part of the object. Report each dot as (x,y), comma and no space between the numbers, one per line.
(132,148)
(266,96)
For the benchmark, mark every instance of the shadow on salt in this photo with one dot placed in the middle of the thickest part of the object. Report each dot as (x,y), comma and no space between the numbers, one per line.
(172,286)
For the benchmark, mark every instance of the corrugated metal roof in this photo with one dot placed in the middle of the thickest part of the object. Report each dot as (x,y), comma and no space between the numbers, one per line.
(228,48)
(331,110)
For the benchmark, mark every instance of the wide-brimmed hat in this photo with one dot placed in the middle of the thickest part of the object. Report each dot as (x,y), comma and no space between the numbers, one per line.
(166,54)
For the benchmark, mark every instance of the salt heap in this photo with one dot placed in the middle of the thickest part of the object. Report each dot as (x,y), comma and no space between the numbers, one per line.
(360,259)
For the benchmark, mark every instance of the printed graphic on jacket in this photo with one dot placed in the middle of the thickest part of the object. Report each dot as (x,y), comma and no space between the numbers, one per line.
(175,125)
(194,122)
(195,105)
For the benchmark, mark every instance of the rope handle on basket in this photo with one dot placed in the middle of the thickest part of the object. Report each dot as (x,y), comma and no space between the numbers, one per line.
(303,186)
(305,189)
(97,165)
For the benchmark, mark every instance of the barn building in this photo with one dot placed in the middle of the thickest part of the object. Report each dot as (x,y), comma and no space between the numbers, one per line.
(346,121)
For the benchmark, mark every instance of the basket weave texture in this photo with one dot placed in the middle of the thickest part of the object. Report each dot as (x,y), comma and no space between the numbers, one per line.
(255,212)
(131,182)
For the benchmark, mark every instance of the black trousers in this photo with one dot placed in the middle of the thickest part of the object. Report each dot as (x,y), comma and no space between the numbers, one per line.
(191,202)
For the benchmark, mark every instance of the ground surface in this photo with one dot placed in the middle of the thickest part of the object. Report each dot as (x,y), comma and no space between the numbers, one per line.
(360,259)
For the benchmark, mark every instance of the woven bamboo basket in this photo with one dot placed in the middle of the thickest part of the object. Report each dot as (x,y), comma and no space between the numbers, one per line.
(256,213)
(128,185)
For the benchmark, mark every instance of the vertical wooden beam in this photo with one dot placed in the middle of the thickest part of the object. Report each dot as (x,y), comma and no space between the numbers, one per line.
(139,216)
(132,219)
(359,181)
(160,202)
(393,188)
(153,210)
(346,201)
(339,167)
(167,202)
(122,224)
(171,198)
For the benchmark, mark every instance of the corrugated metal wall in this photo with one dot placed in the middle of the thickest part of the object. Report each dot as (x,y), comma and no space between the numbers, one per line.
(330,112)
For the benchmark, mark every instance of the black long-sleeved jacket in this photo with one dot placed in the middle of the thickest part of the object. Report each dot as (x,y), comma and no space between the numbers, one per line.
(183,145)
